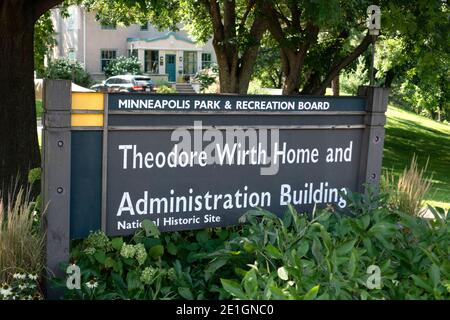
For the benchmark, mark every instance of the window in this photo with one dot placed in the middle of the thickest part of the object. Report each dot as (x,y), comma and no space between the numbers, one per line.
(190,62)
(151,61)
(206,60)
(132,53)
(108,26)
(106,57)
(144,27)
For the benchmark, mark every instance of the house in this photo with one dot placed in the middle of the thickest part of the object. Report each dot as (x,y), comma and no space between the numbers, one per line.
(171,56)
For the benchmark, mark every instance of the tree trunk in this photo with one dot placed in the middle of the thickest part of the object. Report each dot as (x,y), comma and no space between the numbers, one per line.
(336,86)
(19,150)
(235,66)
(291,64)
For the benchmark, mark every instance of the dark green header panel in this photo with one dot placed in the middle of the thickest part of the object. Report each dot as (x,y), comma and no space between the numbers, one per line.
(232,103)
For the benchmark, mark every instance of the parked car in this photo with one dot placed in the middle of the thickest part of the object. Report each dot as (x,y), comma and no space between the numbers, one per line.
(126,83)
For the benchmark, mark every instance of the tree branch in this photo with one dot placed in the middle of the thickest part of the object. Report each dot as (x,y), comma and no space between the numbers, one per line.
(214,10)
(41,6)
(249,8)
(337,67)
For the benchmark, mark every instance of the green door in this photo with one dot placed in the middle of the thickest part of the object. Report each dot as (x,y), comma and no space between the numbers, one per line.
(170,67)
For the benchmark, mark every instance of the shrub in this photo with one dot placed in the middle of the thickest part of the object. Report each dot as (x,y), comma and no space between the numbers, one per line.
(407,195)
(21,240)
(207,77)
(334,256)
(123,65)
(165,89)
(325,256)
(66,69)
(148,265)
(255,87)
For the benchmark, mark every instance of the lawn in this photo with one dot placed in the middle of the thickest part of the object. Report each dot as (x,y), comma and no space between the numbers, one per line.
(407,134)
(39,109)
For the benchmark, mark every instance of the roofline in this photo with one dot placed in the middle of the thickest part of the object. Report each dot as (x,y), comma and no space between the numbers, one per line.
(164,37)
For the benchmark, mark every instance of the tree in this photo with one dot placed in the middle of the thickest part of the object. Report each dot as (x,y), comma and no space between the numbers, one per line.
(237,28)
(413,56)
(317,39)
(19,150)
(268,64)
(44,41)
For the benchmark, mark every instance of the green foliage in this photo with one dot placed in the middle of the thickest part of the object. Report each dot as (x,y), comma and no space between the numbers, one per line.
(165,89)
(123,65)
(150,265)
(34,176)
(207,77)
(351,79)
(413,56)
(325,256)
(328,257)
(163,14)
(256,87)
(44,41)
(66,69)
(268,64)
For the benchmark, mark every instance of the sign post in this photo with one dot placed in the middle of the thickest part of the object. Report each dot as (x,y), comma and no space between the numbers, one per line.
(56,160)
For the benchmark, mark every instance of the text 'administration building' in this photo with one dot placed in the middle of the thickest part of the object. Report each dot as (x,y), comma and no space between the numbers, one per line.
(167,55)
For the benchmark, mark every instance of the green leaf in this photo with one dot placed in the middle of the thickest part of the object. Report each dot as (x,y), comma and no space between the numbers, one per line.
(150,228)
(172,248)
(345,248)
(213,266)
(156,251)
(435,275)
(287,217)
(421,283)
(352,263)
(133,281)
(100,256)
(312,293)
(117,243)
(282,273)
(326,238)
(248,246)
(383,229)
(233,288)
(302,248)
(276,292)
(185,293)
(202,236)
(110,262)
(365,221)
(273,251)
(316,250)
(250,283)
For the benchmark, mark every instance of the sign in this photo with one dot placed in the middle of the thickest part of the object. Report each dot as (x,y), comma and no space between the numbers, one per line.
(251,151)
(199,161)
